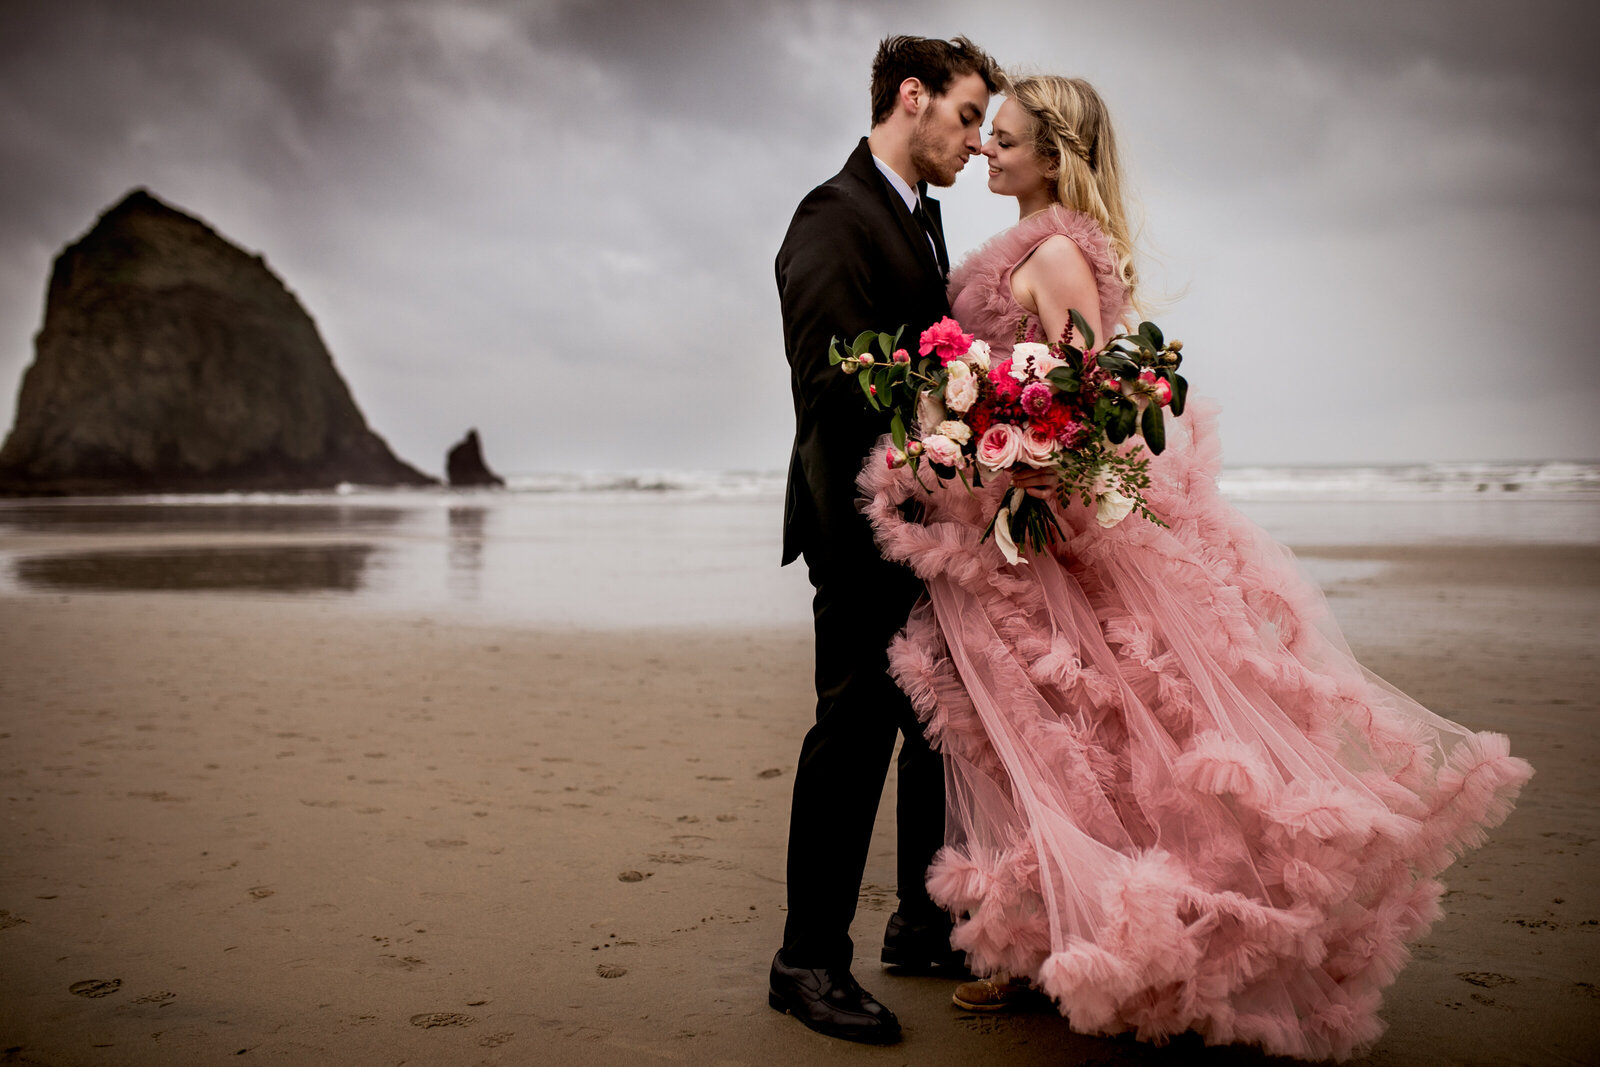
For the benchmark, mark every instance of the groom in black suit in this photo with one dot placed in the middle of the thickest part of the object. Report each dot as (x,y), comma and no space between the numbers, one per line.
(865,250)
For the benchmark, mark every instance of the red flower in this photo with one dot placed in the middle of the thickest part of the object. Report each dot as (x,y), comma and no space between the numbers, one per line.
(980,417)
(1006,388)
(945,338)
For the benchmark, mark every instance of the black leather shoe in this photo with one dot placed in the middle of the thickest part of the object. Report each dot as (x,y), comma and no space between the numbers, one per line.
(914,947)
(829,1001)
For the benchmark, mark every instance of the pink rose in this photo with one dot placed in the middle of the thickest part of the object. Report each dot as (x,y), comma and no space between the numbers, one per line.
(1036,398)
(946,339)
(942,450)
(1038,447)
(999,446)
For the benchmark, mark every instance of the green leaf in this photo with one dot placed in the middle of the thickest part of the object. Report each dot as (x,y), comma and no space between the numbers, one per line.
(897,430)
(1118,364)
(862,342)
(834,357)
(1180,393)
(1154,429)
(1116,429)
(1128,412)
(1065,379)
(1152,333)
(1081,324)
(866,391)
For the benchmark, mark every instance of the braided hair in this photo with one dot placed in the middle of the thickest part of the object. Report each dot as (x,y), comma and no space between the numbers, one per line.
(1072,132)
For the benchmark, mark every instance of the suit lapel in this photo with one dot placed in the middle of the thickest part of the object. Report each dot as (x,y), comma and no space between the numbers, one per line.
(865,170)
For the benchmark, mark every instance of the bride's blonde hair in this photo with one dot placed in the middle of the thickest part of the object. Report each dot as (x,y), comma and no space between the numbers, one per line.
(1072,130)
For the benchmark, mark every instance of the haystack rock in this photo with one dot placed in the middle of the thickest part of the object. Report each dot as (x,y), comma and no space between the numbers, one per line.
(173,361)
(464,464)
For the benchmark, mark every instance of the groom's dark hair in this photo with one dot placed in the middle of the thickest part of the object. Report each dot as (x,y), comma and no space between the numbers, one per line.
(933,62)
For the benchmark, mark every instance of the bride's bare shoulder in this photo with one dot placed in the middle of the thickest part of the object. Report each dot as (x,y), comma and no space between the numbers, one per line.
(1056,267)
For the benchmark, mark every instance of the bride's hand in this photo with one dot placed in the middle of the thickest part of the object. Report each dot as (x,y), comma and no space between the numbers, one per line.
(1038,483)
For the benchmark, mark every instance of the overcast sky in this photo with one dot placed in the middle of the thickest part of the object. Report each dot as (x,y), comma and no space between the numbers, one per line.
(1378,221)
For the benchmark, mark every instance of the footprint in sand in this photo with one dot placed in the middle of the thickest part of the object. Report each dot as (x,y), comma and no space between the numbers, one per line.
(770,772)
(632,876)
(496,1040)
(156,998)
(95,987)
(8,920)
(610,970)
(405,963)
(430,1019)
(261,892)
(1486,979)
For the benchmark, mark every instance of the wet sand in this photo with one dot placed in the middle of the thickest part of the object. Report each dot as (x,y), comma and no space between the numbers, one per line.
(286,829)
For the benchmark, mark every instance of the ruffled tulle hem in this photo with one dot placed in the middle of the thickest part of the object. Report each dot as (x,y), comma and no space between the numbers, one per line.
(1177,801)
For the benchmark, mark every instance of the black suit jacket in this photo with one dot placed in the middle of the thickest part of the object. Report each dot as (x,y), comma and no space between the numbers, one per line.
(854,259)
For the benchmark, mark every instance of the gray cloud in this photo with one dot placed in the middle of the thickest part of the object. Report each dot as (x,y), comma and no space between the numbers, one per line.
(489,207)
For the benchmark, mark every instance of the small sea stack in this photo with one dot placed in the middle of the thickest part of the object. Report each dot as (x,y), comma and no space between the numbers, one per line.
(464,464)
(171,360)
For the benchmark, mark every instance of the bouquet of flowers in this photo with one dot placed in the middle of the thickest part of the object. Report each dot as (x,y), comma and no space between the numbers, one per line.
(1059,406)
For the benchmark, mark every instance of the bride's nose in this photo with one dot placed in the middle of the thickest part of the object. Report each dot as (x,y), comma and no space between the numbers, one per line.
(988,148)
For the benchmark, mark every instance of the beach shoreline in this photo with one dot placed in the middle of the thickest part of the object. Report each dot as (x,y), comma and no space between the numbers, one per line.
(298,830)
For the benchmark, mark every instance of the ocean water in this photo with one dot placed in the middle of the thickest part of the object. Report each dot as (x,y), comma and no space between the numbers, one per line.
(667,548)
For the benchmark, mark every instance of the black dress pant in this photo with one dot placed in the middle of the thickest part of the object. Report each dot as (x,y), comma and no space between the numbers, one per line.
(844,762)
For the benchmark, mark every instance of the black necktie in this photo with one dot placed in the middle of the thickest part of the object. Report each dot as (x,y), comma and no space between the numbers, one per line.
(924,220)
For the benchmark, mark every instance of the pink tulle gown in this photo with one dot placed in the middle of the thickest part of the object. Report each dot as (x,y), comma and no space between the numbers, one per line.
(1176,801)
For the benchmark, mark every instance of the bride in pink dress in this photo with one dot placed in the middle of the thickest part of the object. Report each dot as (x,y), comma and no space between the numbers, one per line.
(1176,800)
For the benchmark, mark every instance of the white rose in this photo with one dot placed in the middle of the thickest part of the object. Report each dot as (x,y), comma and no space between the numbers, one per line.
(979,354)
(958,369)
(941,450)
(961,393)
(1020,355)
(959,432)
(1111,508)
(930,411)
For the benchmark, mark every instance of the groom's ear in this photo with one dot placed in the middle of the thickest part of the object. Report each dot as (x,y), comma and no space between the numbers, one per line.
(913,95)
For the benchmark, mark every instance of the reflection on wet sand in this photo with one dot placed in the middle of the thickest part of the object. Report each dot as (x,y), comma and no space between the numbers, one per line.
(466,550)
(264,569)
